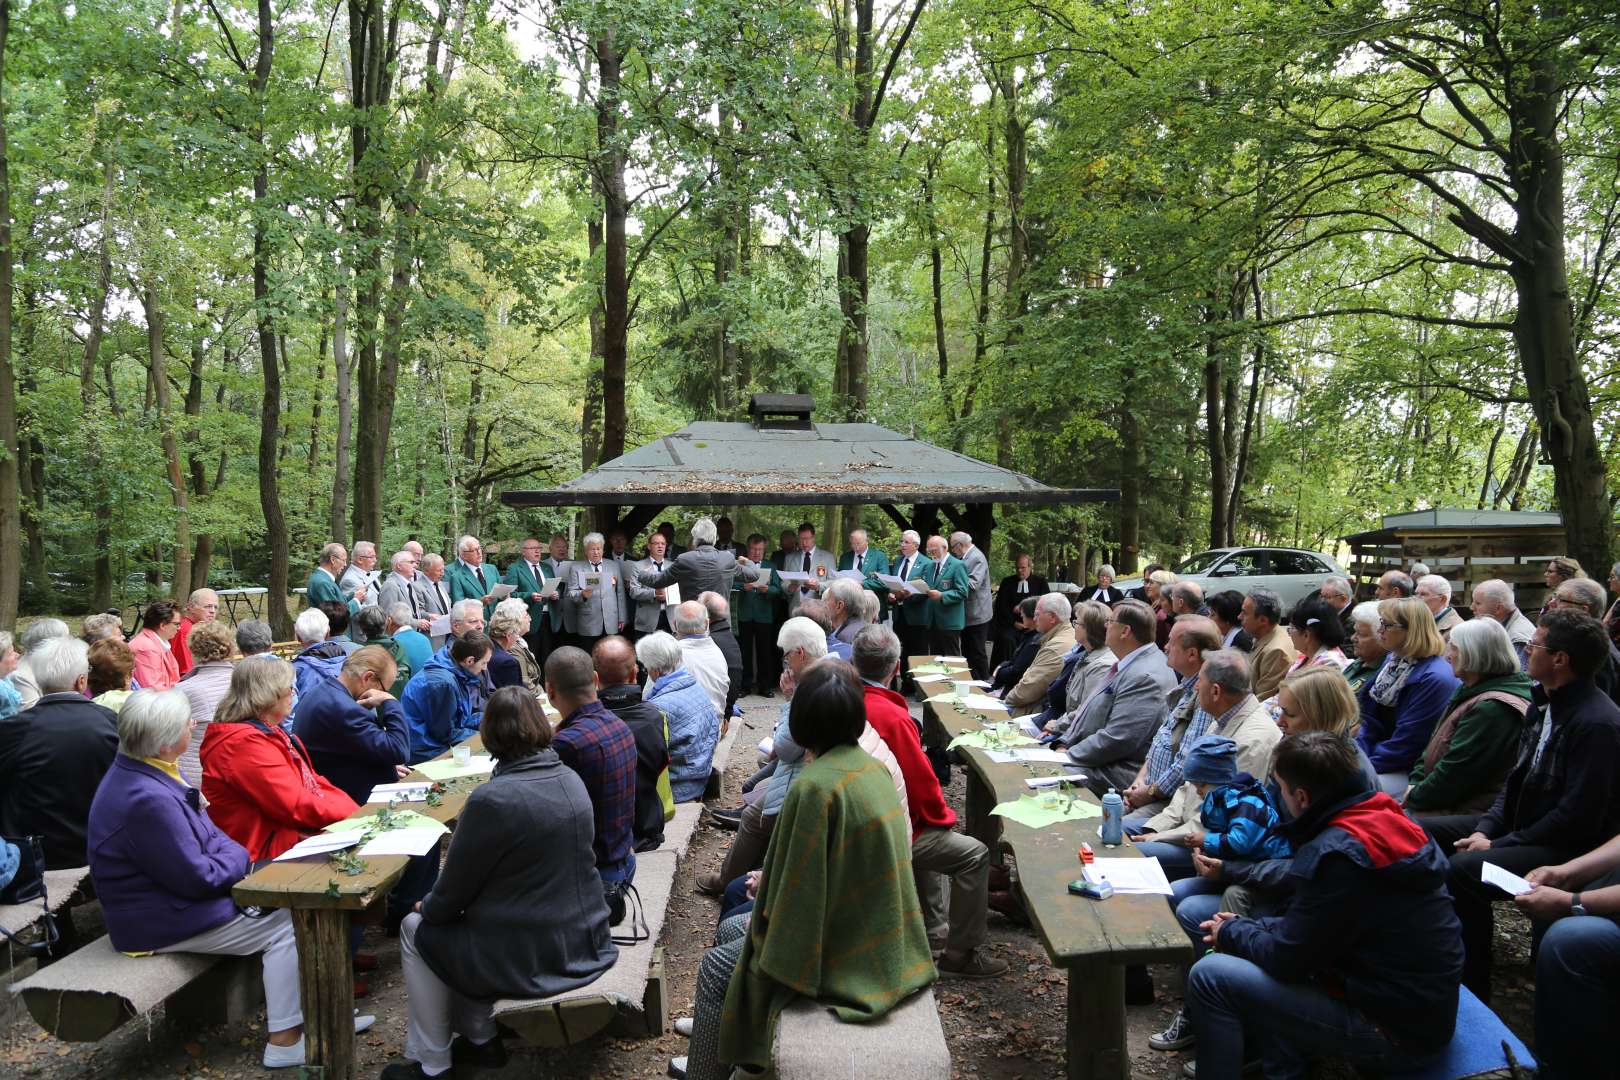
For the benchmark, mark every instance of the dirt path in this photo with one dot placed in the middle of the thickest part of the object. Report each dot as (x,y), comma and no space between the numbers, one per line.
(1007,1029)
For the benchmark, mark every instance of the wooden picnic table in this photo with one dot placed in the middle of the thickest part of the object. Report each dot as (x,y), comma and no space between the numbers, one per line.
(322,900)
(1092,940)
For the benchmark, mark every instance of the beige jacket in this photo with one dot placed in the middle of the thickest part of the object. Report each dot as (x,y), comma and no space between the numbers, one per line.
(1029,694)
(1256,735)
(1270,661)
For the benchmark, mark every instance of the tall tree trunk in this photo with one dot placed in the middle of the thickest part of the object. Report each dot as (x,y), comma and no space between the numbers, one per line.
(101,584)
(10,504)
(275,524)
(1240,467)
(157,363)
(1130,484)
(726,383)
(981,315)
(342,376)
(1215,438)
(615,268)
(936,267)
(203,553)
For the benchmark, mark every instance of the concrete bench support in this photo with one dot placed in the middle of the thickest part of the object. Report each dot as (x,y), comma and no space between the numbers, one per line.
(906,1044)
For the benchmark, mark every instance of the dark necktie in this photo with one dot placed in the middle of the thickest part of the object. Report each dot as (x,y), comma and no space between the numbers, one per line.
(478,572)
(807,562)
(858,560)
(658,567)
(905,567)
(410,590)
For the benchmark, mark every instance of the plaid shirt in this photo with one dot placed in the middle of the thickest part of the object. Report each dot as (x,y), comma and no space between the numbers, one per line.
(1166,756)
(601,748)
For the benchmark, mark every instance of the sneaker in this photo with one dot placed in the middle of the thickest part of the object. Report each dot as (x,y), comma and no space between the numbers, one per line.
(489,1055)
(1178,1036)
(973,966)
(1252,1067)
(683,1027)
(288,1057)
(726,819)
(677,1067)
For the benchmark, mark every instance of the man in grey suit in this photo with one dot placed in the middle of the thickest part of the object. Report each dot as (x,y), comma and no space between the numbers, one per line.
(360,577)
(809,559)
(555,563)
(593,610)
(651,611)
(400,587)
(705,568)
(432,593)
(1111,734)
(979,608)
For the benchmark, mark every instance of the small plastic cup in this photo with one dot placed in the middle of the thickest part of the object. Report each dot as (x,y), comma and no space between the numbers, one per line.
(462,755)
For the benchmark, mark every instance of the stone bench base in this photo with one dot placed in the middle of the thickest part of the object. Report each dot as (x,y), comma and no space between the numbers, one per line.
(906,1044)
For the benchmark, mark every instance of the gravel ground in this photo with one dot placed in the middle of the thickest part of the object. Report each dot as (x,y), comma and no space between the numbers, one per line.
(1007,1029)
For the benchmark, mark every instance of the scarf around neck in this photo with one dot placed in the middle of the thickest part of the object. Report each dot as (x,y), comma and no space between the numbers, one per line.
(1391,679)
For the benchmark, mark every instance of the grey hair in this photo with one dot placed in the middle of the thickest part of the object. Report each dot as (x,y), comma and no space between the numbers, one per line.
(1092,616)
(875,652)
(1267,604)
(370,621)
(432,558)
(463,610)
(704,531)
(800,633)
(1340,586)
(1588,593)
(312,626)
(364,547)
(151,721)
(913,536)
(1484,648)
(1400,581)
(399,557)
(871,606)
(689,618)
(848,594)
(592,538)
(1419,569)
(960,537)
(1055,603)
(1106,569)
(504,626)
(467,541)
(1229,669)
(857,532)
(715,605)
(1494,589)
(1438,584)
(58,663)
(518,609)
(330,552)
(659,653)
(254,636)
(400,614)
(1365,614)
(1188,592)
(103,624)
(5,642)
(42,630)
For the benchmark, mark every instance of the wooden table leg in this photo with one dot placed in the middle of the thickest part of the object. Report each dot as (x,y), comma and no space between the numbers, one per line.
(981,824)
(326,988)
(1096,1031)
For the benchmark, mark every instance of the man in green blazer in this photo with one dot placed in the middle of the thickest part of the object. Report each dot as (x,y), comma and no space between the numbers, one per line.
(753,606)
(528,577)
(947,579)
(871,562)
(323,580)
(468,577)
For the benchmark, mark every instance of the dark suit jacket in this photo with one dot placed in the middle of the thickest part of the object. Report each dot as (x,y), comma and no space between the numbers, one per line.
(703,569)
(1111,595)
(1007,597)
(52,759)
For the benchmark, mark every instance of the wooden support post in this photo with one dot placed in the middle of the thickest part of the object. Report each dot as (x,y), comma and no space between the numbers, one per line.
(981,824)
(1096,1031)
(326,986)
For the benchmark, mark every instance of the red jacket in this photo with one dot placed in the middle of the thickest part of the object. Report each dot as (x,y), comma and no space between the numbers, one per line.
(181,647)
(262,793)
(887,713)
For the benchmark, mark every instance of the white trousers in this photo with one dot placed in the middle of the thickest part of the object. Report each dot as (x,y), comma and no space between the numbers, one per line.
(272,936)
(435,1013)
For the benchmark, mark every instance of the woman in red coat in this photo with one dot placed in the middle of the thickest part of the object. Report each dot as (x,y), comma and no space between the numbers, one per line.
(261,788)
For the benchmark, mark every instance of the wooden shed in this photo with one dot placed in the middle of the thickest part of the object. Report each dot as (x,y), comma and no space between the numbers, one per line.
(1464,546)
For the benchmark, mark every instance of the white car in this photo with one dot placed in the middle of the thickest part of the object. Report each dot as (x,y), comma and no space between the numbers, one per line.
(1292,573)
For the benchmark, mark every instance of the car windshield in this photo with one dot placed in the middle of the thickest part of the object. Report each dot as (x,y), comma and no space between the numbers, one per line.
(1200,563)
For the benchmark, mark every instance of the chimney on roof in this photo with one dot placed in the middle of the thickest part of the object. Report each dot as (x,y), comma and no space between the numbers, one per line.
(781,412)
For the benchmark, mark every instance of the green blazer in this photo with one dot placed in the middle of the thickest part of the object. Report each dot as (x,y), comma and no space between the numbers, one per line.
(948,612)
(752,605)
(322,589)
(913,611)
(876,563)
(464,586)
(526,588)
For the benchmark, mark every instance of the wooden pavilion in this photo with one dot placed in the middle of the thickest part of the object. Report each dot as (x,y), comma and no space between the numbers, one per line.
(1463,546)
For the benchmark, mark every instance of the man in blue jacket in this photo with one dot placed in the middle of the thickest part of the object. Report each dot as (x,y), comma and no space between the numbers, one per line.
(1364,964)
(444,702)
(353,728)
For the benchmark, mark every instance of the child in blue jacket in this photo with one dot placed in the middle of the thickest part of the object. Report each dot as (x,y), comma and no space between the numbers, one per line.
(1239,819)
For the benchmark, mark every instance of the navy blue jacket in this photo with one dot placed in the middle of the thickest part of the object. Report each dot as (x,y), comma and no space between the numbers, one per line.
(351,746)
(1370,921)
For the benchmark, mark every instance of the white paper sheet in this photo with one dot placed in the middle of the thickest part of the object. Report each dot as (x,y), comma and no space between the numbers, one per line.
(765,746)
(852,575)
(1024,756)
(412,792)
(971,683)
(440,627)
(587,579)
(320,844)
(1028,726)
(950,659)
(1036,783)
(402,842)
(1506,880)
(672,595)
(931,678)
(1143,876)
(502,591)
(795,577)
(984,703)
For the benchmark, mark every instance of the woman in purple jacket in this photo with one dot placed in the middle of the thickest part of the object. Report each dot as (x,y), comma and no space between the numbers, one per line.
(164,873)
(1401,703)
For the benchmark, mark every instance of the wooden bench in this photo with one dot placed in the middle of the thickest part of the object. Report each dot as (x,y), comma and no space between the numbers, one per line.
(89,993)
(61,888)
(906,1044)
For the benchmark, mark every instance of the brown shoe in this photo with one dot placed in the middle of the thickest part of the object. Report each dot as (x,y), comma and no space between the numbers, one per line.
(975,965)
(1000,878)
(1009,906)
(710,884)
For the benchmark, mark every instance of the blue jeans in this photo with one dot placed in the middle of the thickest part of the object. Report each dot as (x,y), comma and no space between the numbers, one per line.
(1174,858)
(1240,1013)
(1577,997)
(734,901)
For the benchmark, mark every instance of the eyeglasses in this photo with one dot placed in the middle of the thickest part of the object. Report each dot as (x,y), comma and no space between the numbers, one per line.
(1385,624)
